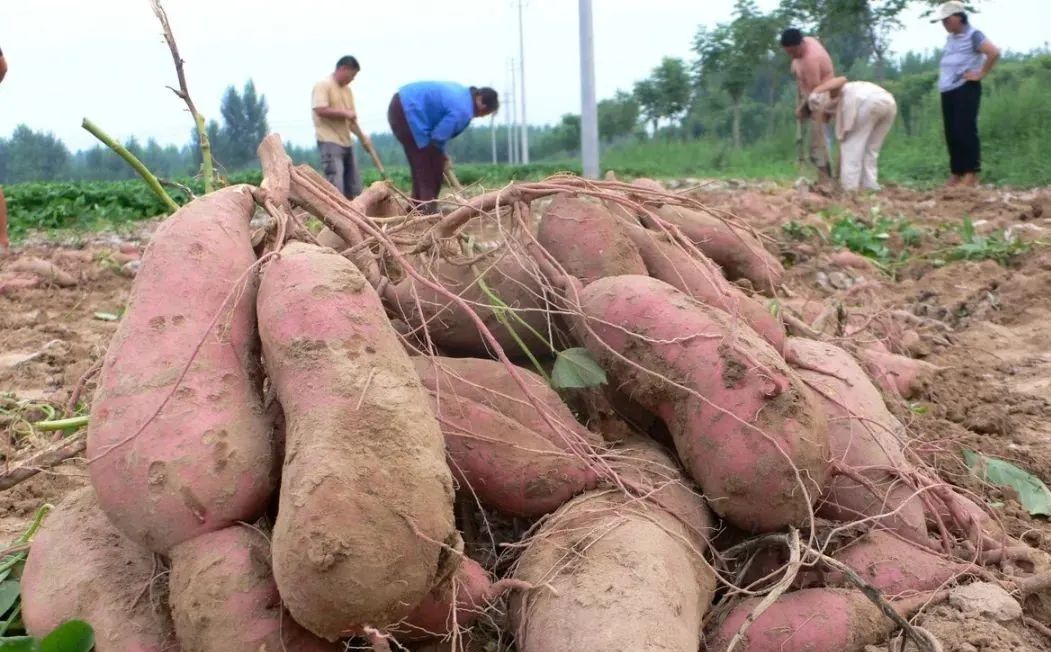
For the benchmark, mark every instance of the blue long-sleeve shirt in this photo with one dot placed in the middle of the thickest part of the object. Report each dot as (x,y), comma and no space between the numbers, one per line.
(436,111)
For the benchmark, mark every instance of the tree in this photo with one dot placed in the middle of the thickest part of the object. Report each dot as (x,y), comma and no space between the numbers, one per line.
(731,54)
(244,126)
(666,93)
(617,116)
(33,156)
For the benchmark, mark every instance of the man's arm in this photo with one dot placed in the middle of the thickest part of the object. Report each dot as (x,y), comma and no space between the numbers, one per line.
(992,55)
(830,85)
(451,124)
(334,113)
(355,128)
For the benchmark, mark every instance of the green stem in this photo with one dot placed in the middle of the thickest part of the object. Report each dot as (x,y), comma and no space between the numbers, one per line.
(207,169)
(135,163)
(72,423)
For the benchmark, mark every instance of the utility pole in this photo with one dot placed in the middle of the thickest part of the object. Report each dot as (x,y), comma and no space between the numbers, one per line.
(507,126)
(492,136)
(521,63)
(588,107)
(513,101)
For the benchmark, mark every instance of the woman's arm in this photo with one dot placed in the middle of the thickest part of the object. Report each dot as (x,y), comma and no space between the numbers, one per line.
(992,55)
(833,84)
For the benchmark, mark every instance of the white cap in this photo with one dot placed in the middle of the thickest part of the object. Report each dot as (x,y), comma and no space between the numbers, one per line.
(949,9)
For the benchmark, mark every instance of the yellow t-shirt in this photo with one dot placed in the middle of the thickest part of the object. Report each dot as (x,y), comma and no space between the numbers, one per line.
(329,93)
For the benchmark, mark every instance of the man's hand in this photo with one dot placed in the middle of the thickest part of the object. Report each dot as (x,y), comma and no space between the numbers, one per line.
(350,114)
(973,75)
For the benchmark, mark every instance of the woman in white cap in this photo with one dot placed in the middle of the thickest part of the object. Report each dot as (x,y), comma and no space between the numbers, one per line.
(960,83)
(863,113)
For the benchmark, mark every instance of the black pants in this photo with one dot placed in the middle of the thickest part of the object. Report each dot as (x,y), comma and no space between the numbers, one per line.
(427,165)
(960,112)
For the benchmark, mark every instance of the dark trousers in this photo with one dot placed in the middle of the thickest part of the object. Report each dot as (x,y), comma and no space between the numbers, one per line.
(427,165)
(341,168)
(960,112)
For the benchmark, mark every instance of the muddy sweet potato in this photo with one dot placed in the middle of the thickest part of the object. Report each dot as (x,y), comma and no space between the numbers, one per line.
(897,374)
(455,603)
(814,620)
(81,567)
(699,277)
(506,465)
(223,597)
(488,382)
(366,502)
(865,440)
(611,571)
(509,276)
(586,240)
(894,566)
(736,250)
(747,428)
(205,460)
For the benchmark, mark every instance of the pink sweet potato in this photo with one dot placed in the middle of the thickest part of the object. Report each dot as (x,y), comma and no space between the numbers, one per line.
(615,572)
(746,427)
(811,620)
(206,460)
(509,276)
(865,439)
(81,567)
(699,277)
(736,250)
(894,566)
(223,597)
(45,270)
(453,604)
(506,465)
(898,375)
(366,502)
(586,240)
(488,382)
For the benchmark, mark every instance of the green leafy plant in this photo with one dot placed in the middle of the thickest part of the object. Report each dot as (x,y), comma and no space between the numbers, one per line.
(1032,492)
(575,368)
(995,246)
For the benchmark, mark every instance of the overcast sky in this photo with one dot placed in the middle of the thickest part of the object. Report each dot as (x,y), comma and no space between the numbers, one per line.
(106,60)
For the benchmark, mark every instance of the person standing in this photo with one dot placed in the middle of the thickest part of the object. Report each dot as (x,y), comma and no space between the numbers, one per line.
(811,66)
(960,83)
(334,120)
(863,114)
(5,243)
(424,117)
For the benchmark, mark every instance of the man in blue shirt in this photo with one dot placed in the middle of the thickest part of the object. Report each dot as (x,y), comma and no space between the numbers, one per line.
(424,117)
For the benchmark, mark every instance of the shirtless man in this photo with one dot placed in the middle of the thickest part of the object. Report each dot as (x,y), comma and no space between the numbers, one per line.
(811,67)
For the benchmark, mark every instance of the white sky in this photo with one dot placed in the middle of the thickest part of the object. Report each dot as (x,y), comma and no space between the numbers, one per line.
(106,60)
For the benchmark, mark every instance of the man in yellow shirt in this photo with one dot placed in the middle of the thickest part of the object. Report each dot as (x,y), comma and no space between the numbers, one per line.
(334,120)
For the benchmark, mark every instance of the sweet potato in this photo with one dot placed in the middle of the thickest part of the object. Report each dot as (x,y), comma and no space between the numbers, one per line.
(454,603)
(488,382)
(81,567)
(811,620)
(896,374)
(366,502)
(586,240)
(205,460)
(894,566)
(506,465)
(746,427)
(614,572)
(736,250)
(699,277)
(865,439)
(45,270)
(223,596)
(507,274)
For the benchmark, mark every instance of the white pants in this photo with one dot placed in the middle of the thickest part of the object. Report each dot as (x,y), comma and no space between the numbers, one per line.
(859,151)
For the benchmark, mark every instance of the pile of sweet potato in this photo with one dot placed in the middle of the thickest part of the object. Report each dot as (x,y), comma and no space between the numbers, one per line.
(290,443)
